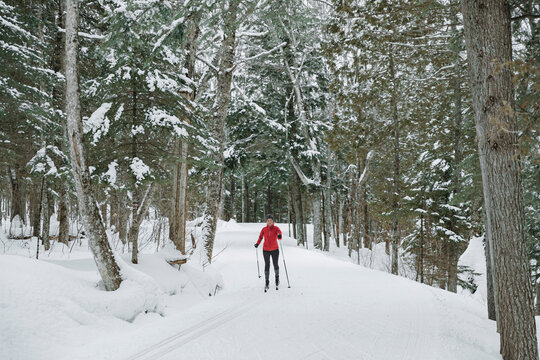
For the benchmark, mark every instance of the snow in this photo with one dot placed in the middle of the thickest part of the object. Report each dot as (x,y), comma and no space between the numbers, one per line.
(110,175)
(139,169)
(475,259)
(54,308)
(98,123)
(16,229)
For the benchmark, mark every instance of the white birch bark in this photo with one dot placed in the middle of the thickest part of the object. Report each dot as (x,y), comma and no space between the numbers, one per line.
(97,237)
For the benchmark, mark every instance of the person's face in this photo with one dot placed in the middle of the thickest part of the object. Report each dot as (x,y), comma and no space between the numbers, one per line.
(269,222)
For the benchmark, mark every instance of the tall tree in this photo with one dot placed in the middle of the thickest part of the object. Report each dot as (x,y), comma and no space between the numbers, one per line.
(489,53)
(97,237)
(219,114)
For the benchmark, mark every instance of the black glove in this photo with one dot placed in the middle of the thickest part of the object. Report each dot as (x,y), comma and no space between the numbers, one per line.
(256,245)
(279,236)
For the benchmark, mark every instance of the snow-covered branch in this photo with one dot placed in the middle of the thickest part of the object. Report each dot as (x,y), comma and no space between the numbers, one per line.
(249,101)
(263,53)
(305,180)
(85,35)
(365,173)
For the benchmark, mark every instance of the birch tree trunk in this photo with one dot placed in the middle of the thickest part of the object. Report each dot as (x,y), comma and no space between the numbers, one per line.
(489,48)
(221,105)
(97,237)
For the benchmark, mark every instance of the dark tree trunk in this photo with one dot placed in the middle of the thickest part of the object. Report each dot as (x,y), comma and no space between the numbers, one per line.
(396,188)
(63,230)
(47,207)
(245,200)
(298,209)
(233,198)
(221,106)
(491,304)
(18,204)
(489,48)
(177,231)
(35,210)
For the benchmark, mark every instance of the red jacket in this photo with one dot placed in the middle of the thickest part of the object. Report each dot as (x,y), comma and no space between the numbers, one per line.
(270,234)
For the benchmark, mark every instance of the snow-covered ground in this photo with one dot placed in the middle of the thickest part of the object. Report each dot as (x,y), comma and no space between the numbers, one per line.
(54,309)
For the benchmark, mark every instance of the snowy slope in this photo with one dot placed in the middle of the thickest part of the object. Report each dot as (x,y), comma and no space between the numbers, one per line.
(333,310)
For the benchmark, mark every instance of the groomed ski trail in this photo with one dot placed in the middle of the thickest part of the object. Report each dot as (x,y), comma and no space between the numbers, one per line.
(333,310)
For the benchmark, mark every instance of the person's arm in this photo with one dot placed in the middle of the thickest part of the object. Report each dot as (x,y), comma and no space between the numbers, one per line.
(278,233)
(260,238)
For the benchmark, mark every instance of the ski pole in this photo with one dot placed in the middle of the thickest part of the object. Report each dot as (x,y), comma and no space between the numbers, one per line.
(258,271)
(284,264)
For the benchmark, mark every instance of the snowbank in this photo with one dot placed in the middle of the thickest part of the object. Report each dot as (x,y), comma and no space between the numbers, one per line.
(51,303)
(474,258)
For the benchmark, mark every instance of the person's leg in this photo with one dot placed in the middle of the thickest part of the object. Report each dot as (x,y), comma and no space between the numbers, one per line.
(266,255)
(275,258)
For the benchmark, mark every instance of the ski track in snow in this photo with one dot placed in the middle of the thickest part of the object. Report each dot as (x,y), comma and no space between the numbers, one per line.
(181,338)
(334,310)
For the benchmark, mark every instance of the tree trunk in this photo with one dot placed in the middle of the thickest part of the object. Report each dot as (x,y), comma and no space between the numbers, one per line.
(233,197)
(141,202)
(317,213)
(395,195)
(455,248)
(47,206)
(18,208)
(245,200)
(223,97)
(103,210)
(489,49)
(97,237)
(178,235)
(35,209)
(57,65)
(123,218)
(327,207)
(339,222)
(298,210)
(63,230)
(491,301)
(537,289)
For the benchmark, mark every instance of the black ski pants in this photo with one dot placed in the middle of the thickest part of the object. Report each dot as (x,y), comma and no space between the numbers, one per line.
(275,255)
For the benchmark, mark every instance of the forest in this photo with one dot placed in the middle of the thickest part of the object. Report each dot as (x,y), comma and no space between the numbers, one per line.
(409,127)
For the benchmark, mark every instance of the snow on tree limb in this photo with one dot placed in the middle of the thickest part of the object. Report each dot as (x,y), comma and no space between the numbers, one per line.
(278,47)
(365,173)
(248,101)
(305,180)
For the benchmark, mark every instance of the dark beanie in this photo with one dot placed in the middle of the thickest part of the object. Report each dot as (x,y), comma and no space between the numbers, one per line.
(269,216)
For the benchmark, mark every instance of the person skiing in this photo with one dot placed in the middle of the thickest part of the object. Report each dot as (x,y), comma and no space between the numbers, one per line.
(271,235)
